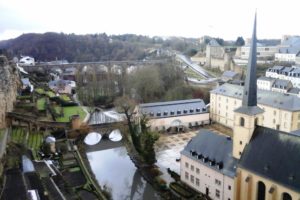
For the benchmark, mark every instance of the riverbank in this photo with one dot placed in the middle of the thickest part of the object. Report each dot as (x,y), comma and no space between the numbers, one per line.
(150,173)
(81,152)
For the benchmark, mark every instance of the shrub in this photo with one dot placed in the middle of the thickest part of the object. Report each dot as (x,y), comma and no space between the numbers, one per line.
(179,189)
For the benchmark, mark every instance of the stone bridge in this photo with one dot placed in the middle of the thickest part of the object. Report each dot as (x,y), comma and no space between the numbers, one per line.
(105,128)
(80,65)
(33,123)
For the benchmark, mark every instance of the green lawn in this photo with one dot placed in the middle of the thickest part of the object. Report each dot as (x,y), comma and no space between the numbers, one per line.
(65,97)
(40,104)
(191,74)
(69,111)
(74,169)
(40,90)
(50,94)
(27,97)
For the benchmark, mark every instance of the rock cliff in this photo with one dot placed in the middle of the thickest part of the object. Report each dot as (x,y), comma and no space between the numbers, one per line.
(9,83)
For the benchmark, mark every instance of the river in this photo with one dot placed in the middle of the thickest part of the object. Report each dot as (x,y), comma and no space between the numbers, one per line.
(114,169)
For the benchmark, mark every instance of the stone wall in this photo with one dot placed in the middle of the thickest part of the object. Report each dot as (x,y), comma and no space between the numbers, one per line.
(9,82)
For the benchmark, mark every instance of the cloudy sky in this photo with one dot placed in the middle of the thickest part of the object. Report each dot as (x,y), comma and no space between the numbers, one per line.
(189,18)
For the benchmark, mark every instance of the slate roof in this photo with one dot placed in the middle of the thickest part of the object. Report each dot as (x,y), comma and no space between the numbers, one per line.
(291,45)
(291,41)
(213,42)
(229,74)
(294,91)
(264,97)
(213,147)
(249,110)
(274,155)
(264,78)
(289,50)
(174,108)
(283,84)
(277,67)
(25,81)
(287,69)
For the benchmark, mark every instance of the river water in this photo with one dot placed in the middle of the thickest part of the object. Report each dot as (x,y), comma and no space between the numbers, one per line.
(114,169)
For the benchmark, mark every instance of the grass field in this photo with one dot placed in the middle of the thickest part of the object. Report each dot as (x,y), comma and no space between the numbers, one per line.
(69,111)
(34,140)
(50,94)
(40,90)
(65,97)
(40,104)
(190,73)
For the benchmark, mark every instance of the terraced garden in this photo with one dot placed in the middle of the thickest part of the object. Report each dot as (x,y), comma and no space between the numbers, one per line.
(40,90)
(69,111)
(33,141)
(18,135)
(41,104)
(65,97)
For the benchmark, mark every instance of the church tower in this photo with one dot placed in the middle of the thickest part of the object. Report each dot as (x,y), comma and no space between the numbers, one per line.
(246,116)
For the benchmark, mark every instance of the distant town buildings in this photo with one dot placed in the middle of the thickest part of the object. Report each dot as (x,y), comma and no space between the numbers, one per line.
(289,50)
(62,86)
(263,51)
(218,56)
(291,74)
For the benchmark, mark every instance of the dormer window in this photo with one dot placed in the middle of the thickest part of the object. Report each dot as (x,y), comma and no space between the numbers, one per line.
(165,113)
(172,112)
(158,114)
(191,110)
(198,109)
(178,112)
(185,111)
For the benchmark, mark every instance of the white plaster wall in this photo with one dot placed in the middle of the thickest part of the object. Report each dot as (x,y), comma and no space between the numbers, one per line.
(159,123)
(207,177)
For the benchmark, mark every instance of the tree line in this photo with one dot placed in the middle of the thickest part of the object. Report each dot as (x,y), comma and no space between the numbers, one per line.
(91,47)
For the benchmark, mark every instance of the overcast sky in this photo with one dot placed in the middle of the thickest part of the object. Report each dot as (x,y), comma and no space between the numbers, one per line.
(189,18)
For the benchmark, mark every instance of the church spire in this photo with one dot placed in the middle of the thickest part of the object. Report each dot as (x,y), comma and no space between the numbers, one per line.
(249,103)
(250,88)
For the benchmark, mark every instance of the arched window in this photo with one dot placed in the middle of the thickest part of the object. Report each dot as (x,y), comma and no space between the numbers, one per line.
(242,121)
(256,121)
(286,196)
(261,191)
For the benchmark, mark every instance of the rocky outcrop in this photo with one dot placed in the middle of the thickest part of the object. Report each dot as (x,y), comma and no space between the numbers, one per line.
(9,82)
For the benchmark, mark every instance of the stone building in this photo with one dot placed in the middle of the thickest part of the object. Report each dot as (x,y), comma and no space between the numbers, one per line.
(207,165)
(218,56)
(176,115)
(265,161)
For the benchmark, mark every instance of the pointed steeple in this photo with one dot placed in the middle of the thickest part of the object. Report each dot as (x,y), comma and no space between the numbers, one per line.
(250,88)
(249,103)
